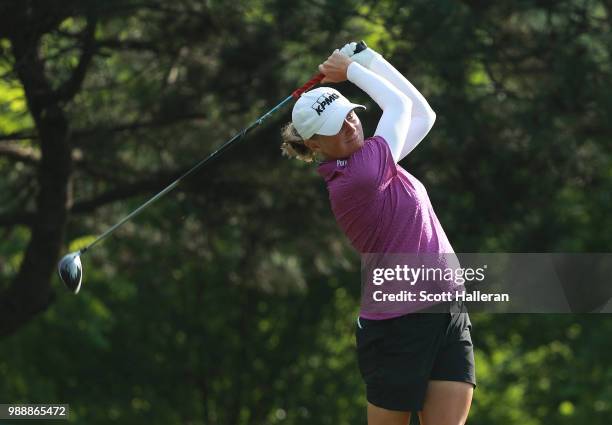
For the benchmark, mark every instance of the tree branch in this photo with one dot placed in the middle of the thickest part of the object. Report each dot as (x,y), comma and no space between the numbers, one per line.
(71,87)
(139,45)
(20,153)
(137,125)
(124,191)
(20,217)
(121,192)
(18,136)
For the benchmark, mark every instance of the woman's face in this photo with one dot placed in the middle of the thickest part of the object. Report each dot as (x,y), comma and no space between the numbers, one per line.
(348,140)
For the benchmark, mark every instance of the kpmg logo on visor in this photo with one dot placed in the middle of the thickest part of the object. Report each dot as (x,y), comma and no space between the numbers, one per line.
(324,100)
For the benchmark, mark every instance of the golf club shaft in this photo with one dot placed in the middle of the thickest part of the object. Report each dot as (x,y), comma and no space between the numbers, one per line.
(192,170)
(295,95)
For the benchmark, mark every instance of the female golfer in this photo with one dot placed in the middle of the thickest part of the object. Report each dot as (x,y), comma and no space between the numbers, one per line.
(421,362)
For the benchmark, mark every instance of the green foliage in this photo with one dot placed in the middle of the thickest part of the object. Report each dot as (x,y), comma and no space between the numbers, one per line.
(14,115)
(232,300)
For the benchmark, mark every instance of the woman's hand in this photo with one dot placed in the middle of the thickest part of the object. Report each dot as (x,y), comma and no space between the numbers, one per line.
(335,68)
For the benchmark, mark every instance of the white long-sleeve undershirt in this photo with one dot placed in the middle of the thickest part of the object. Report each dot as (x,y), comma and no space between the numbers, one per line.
(394,124)
(422,116)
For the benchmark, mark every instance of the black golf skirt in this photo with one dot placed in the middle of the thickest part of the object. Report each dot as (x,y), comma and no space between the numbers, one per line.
(397,357)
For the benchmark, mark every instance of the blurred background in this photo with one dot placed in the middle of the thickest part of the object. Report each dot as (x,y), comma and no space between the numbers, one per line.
(233,299)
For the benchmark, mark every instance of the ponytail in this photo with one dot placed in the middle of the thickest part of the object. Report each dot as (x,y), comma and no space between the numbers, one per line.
(293,145)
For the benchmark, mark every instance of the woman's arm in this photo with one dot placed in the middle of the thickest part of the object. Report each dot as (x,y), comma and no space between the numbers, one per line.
(423,117)
(395,121)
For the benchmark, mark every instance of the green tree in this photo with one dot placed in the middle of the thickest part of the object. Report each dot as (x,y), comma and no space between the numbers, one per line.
(232,300)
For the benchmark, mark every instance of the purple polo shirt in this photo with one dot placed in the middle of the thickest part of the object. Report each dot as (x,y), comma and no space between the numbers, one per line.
(380,206)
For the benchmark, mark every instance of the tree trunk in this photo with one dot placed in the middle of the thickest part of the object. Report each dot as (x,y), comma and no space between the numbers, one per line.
(30,292)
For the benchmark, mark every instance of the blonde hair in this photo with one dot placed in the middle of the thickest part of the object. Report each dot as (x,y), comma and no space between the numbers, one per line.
(293,144)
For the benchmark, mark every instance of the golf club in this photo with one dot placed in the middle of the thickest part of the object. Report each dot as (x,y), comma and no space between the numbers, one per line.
(70,267)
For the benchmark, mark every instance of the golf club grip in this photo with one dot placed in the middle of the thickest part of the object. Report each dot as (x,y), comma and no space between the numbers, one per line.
(309,84)
(361,46)
(317,78)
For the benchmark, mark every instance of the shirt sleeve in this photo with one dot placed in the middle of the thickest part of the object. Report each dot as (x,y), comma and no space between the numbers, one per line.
(422,116)
(395,121)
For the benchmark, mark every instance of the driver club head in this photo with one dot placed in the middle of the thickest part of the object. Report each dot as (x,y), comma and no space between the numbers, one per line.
(71,271)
